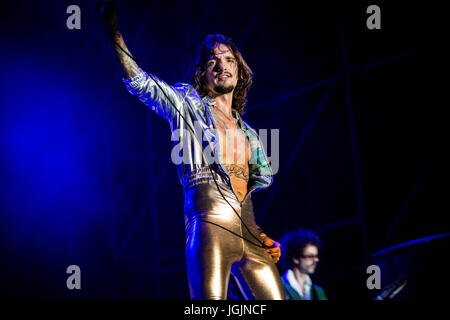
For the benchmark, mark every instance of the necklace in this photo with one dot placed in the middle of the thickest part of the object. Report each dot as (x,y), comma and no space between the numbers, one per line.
(230,119)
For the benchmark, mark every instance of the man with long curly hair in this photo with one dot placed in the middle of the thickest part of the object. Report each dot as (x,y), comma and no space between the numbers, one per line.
(220,226)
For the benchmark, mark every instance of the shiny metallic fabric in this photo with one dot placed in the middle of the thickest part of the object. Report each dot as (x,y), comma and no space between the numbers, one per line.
(195,131)
(211,250)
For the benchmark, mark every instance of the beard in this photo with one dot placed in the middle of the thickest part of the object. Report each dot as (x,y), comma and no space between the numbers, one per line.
(224,89)
(308,269)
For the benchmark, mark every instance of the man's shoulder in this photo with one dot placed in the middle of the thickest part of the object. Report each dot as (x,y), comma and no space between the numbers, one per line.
(317,287)
(187,89)
(320,292)
(289,291)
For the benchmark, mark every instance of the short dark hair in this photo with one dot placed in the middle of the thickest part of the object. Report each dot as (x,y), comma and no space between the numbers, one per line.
(294,242)
(245,74)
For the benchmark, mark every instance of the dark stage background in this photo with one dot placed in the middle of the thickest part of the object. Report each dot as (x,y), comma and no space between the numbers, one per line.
(86,176)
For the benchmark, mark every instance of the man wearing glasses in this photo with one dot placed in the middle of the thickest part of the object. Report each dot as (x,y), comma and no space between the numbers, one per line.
(300,256)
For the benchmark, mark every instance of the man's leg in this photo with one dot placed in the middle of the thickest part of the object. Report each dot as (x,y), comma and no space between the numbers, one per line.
(261,274)
(210,253)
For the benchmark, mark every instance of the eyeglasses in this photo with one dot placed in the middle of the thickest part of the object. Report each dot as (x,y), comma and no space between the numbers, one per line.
(310,256)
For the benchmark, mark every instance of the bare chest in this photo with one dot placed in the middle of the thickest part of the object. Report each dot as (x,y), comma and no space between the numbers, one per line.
(235,151)
(233,142)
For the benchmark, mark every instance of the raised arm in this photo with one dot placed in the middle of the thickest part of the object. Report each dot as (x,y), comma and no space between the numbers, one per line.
(129,68)
(152,91)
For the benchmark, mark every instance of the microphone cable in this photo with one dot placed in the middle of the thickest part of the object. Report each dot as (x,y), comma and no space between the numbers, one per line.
(260,243)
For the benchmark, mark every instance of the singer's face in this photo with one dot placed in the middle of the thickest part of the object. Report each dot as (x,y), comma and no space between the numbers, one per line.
(308,262)
(221,70)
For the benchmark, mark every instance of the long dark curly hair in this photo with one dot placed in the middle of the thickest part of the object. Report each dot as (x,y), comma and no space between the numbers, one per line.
(245,74)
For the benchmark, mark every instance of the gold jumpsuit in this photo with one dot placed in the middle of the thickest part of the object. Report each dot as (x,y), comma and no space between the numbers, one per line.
(211,250)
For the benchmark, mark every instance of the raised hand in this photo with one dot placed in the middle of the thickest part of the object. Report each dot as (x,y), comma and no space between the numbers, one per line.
(106,9)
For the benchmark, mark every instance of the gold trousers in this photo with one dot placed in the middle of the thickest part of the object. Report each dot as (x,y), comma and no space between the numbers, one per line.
(211,250)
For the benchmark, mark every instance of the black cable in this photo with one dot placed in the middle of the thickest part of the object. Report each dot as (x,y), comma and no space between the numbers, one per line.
(238,235)
(261,244)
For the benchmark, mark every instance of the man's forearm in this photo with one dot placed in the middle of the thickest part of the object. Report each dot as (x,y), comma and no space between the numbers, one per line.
(129,67)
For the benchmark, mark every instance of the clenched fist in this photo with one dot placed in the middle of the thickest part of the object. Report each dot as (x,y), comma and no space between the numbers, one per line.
(273,248)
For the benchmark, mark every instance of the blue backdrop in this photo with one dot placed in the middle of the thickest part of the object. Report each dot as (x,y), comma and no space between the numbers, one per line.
(86,176)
